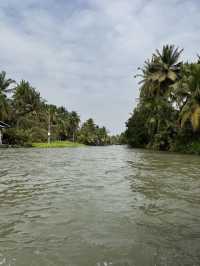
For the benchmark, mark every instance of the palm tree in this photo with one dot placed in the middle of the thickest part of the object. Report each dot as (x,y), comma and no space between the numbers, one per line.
(5,83)
(198,59)
(63,122)
(74,121)
(102,135)
(26,105)
(188,90)
(26,98)
(160,72)
(87,134)
(158,75)
(4,90)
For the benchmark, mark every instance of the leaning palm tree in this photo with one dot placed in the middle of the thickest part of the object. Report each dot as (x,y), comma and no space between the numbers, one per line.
(4,90)
(188,90)
(160,72)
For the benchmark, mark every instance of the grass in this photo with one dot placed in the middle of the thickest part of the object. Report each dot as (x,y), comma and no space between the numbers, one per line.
(57,144)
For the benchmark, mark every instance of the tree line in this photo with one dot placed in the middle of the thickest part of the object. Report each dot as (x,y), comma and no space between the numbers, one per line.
(29,116)
(167,116)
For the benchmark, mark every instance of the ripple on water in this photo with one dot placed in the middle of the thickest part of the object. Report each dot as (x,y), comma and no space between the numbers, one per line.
(98,206)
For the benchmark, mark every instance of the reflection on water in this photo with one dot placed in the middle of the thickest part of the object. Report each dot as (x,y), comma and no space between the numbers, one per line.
(98,206)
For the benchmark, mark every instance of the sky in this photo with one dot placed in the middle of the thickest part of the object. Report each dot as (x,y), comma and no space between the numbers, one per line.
(83,54)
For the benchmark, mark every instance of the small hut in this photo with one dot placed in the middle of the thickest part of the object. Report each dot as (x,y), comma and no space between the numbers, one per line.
(2,126)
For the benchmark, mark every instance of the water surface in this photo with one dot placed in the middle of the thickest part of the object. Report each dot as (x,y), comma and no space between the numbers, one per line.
(98,206)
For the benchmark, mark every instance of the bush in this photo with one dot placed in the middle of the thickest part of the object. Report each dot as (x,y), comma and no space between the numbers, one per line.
(13,136)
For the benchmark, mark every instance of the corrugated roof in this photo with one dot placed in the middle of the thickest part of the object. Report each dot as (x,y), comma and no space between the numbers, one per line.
(3,125)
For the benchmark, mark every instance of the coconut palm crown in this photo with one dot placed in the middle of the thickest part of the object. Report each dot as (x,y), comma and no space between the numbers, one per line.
(160,72)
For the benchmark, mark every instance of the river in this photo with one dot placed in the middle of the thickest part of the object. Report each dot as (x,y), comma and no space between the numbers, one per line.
(99,206)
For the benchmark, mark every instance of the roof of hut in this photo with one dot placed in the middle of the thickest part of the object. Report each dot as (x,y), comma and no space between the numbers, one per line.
(3,125)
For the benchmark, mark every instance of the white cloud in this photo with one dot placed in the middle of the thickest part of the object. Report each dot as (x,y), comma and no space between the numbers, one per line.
(84,54)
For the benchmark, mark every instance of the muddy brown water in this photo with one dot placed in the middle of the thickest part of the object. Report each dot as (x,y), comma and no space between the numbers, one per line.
(98,206)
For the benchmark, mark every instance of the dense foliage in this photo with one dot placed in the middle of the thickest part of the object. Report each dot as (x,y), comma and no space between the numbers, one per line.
(167,116)
(30,118)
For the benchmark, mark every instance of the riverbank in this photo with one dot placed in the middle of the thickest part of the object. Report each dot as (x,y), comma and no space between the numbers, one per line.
(192,148)
(189,148)
(57,144)
(4,146)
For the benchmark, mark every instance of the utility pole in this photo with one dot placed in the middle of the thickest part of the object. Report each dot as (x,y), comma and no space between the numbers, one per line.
(1,136)
(49,128)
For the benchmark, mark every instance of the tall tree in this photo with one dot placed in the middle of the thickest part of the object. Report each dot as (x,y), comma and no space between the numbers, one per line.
(158,75)
(26,99)
(74,121)
(187,91)
(160,72)
(4,90)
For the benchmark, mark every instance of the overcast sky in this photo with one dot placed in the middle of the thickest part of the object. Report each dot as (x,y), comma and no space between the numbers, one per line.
(83,54)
